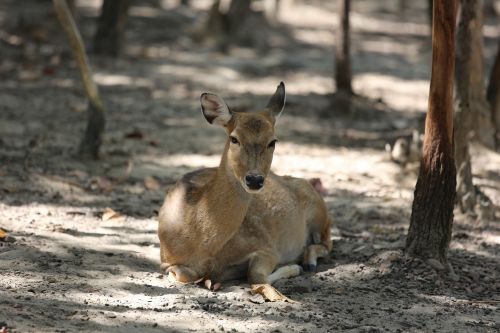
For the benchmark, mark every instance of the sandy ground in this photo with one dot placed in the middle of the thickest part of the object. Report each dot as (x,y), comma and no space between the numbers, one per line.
(68,267)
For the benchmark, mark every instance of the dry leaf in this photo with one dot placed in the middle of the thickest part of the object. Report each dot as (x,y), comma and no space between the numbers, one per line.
(151,184)
(269,293)
(48,70)
(109,214)
(154,142)
(104,184)
(4,237)
(257,299)
(318,186)
(40,35)
(135,134)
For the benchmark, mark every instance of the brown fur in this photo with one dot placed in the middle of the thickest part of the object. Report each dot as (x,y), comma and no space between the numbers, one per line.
(211,222)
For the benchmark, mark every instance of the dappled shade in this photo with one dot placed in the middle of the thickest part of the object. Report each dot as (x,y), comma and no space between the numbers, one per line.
(80,250)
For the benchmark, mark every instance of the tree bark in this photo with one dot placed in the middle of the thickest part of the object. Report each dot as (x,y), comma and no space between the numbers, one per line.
(484,129)
(108,39)
(238,11)
(343,74)
(429,11)
(493,95)
(91,142)
(463,117)
(237,15)
(470,73)
(237,24)
(432,212)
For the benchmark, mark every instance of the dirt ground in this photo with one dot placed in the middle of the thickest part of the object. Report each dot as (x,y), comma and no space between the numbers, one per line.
(70,264)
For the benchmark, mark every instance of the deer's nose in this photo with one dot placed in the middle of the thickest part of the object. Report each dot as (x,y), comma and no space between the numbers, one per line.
(254,181)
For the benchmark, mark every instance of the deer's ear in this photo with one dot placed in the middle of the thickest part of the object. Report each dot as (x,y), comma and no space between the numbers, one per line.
(214,109)
(277,102)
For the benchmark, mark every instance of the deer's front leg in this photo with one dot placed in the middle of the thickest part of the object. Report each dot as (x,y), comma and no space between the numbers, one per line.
(261,265)
(261,275)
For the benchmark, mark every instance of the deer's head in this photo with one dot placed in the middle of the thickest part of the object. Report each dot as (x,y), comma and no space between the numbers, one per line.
(251,138)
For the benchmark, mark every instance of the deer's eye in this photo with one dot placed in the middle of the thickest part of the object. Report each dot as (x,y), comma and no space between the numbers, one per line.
(234,140)
(272,144)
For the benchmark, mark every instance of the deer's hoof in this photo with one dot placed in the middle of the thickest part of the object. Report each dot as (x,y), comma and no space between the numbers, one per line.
(309,267)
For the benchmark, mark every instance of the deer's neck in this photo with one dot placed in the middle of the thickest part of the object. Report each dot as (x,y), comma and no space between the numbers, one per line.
(228,199)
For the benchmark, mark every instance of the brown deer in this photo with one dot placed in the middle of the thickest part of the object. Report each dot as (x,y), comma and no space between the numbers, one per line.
(241,218)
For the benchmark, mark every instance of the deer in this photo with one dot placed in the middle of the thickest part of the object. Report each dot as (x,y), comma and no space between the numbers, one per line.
(240,218)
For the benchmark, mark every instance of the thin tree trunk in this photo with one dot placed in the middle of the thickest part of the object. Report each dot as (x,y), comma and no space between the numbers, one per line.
(342,49)
(463,119)
(481,115)
(237,24)
(72,7)
(493,95)
(108,39)
(91,142)
(238,13)
(432,212)
(429,11)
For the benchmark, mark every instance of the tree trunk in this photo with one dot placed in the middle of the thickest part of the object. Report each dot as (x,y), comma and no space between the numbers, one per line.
(108,39)
(429,11)
(237,24)
(72,7)
(466,193)
(432,212)
(91,142)
(493,95)
(238,13)
(466,197)
(342,49)
(470,72)
(483,127)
